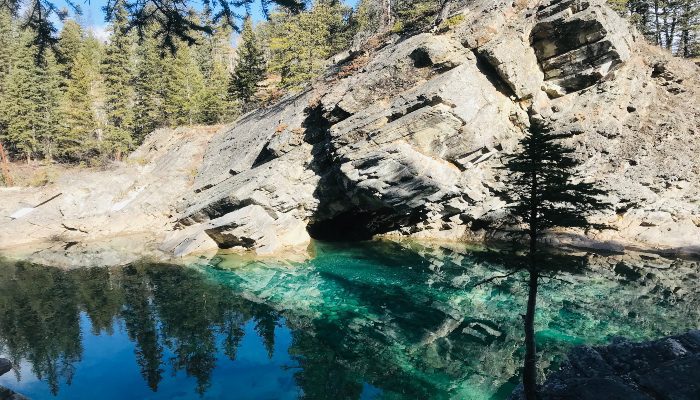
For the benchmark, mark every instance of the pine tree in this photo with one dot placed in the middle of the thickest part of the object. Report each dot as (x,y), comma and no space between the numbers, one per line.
(206,43)
(216,107)
(8,38)
(216,104)
(30,100)
(70,43)
(118,75)
(184,88)
(415,15)
(250,66)
(76,141)
(301,44)
(545,191)
(148,87)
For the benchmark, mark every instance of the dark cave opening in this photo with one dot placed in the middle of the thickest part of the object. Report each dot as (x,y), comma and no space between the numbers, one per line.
(358,225)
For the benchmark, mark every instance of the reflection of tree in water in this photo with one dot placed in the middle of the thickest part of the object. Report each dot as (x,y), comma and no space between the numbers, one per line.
(322,373)
(140,321)
(405,319)
(187,309)
(233,333)
(100,296)
(265,324)
(161,306)
(40,321)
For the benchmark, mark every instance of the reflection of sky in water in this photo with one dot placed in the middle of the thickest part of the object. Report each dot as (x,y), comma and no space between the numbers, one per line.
(359,321)
(108,370)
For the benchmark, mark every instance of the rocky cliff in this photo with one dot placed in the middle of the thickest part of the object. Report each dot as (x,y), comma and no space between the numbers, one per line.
(403,136)
(106,216)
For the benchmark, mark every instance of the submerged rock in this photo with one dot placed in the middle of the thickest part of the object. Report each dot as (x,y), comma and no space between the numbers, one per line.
(667,368)
(5,393)
(5,366)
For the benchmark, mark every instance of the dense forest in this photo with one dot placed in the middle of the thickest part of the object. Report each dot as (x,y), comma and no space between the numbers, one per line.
(671,24)
(90,101)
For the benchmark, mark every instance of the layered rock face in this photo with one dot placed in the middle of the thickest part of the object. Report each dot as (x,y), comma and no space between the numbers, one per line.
(129,205)
(577,45)
(406,139)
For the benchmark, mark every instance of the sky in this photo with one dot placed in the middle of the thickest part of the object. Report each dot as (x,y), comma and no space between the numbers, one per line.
(93,17)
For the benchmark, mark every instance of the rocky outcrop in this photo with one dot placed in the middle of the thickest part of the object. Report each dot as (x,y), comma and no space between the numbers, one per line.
(577,44)
(409,142)
(5,393)
(128,204)
(667,368)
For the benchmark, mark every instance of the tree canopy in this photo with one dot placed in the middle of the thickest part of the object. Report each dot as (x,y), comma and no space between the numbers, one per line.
(172,20)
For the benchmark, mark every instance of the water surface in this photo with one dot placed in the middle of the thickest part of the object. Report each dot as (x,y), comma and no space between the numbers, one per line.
(360,321)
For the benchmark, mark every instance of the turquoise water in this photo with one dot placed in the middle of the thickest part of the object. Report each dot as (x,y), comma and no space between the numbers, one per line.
(359,321)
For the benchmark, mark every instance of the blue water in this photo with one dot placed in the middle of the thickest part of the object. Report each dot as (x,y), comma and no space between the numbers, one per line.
(108,370)
(358,321)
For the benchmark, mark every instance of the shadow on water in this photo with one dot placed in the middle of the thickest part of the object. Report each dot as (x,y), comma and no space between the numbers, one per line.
(366,320)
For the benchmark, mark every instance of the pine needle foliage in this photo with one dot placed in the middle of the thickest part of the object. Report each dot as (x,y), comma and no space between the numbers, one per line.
(545,190)
(250,66)
(118,71)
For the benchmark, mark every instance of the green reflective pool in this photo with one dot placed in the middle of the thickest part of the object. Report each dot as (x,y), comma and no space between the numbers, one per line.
(368,320)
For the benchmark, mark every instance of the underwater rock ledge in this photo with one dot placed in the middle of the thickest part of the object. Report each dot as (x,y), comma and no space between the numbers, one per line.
(666,368)
(5,393)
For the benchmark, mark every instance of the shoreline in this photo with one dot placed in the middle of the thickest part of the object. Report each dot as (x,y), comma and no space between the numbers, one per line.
(131,247)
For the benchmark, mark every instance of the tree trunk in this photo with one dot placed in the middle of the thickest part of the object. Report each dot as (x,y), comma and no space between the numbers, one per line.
(685,30)
(657,26)
(672,34)
(530,365)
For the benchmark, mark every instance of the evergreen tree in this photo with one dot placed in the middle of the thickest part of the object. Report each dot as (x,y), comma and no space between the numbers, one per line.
(174,20)
(250,66)
(672,24)
(70,44)
(414,15)
(545,191)
(148,87)
(76,141)
(30,100)
(216,107)
(118,75)
(206,43)
(184,88)
(216,104)
(301,44)
(8,38)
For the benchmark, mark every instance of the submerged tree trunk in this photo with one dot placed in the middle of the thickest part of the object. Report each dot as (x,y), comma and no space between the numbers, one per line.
(530,367)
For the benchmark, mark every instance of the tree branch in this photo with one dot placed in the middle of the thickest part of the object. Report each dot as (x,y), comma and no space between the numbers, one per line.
(493,278)
(557,279)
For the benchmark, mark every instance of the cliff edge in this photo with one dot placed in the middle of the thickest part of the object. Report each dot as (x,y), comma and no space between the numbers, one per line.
(405,138)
